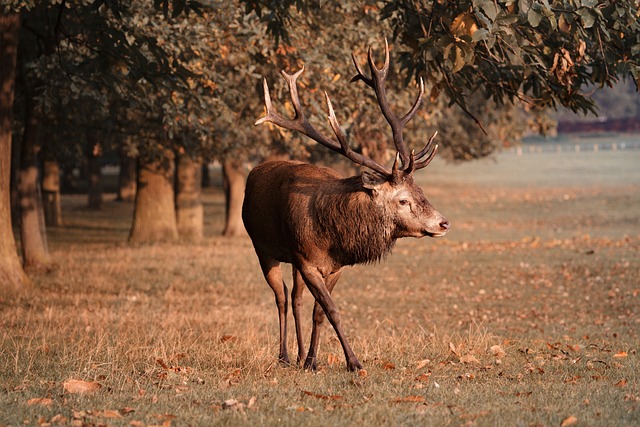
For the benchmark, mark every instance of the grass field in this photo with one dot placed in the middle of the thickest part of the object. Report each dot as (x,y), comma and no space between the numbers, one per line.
(526,314)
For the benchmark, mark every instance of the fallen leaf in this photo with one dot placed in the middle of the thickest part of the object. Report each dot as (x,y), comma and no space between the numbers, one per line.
(362,373)
(569,421)
(620,355)
(388,366)
(332,359)
(109,413)
(469,359)
(233,404)
(42,401)
(423,377)
(621,383)
(453,349)
(78,386)
(497,351)
(409,399)
(421,364)
(227,338)
(58,419)
(321,396)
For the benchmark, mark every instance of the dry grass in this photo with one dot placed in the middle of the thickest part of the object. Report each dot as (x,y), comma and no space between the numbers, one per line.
(526,314)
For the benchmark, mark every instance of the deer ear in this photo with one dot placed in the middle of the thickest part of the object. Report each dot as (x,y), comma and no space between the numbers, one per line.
(372,181)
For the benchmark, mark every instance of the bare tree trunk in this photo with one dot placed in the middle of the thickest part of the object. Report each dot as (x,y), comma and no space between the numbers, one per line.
(12,275)
(126,179)
(94,190)
(206,176)
(154,214)
(235,177)
(51,193)
(189,210)
(33,235)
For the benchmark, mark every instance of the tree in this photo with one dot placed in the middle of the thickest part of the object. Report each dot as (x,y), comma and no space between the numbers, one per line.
(12,275)
(87,27)
(189,209)
(543,53)
(235,176)
(154,218)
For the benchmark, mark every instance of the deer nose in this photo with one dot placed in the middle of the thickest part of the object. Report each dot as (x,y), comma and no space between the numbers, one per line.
(444,225)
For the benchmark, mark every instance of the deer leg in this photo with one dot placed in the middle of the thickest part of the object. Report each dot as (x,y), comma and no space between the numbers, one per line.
(273,275)
(318,319)
(316,284)
(296,305)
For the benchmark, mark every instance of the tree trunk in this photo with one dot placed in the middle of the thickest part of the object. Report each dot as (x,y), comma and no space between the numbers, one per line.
(69,185)
(206,176)
(51,193)
(154,214)
(35,250)
(12,275)
(94,189)
(126,179)
(189,210)
(234,182)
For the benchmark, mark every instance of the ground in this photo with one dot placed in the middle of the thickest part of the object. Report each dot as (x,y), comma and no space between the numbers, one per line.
(527,313)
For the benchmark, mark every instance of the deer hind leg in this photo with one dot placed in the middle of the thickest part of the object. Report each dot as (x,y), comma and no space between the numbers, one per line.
(320,291)
(296,305)
(273,274)
(318,318)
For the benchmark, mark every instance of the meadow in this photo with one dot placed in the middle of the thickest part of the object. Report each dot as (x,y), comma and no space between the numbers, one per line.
(526,314)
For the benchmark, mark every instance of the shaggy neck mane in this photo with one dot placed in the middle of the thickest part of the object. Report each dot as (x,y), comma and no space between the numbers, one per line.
(360,231)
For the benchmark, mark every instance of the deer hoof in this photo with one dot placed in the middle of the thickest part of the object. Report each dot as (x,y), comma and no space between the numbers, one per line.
(353,366)
(310,364)
(284,360)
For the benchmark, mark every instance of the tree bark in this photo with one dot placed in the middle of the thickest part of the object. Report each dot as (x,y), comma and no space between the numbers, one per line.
(235,177)
(154,214)
(51,193)
(12,275)
(35,249)
(126,179)
(189,210)
(94,189)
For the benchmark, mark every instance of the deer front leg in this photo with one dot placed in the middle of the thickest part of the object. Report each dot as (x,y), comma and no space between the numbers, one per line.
(273,274)
(318,317)
(318,288)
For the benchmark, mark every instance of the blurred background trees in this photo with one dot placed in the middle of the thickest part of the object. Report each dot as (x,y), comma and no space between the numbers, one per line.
(164,87)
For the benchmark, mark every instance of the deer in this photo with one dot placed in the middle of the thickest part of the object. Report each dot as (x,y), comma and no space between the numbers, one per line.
(320,222)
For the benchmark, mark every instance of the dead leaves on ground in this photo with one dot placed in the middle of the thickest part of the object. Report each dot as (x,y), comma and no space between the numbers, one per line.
(74,386)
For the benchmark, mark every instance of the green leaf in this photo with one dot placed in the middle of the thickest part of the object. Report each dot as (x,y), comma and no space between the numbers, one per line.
(588,19)
(534,17)
(480,34)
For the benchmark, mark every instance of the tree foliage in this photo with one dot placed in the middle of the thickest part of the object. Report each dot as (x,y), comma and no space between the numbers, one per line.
(543,52)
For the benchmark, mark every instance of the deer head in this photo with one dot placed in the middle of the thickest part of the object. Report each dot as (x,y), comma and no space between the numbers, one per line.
(392,189)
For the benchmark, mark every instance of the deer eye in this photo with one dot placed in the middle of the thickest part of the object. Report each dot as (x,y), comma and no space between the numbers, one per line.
(403,202)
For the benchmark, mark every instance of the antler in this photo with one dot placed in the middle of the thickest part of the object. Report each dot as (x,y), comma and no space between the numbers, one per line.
(377,81)
(300,124)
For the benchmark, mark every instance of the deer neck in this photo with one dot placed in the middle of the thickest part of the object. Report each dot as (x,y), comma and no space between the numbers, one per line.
(359,230)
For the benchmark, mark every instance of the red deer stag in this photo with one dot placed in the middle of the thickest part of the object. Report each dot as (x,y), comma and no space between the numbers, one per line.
(312,218)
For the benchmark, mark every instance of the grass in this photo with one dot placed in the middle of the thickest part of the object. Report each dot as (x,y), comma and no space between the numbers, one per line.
(527,313)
